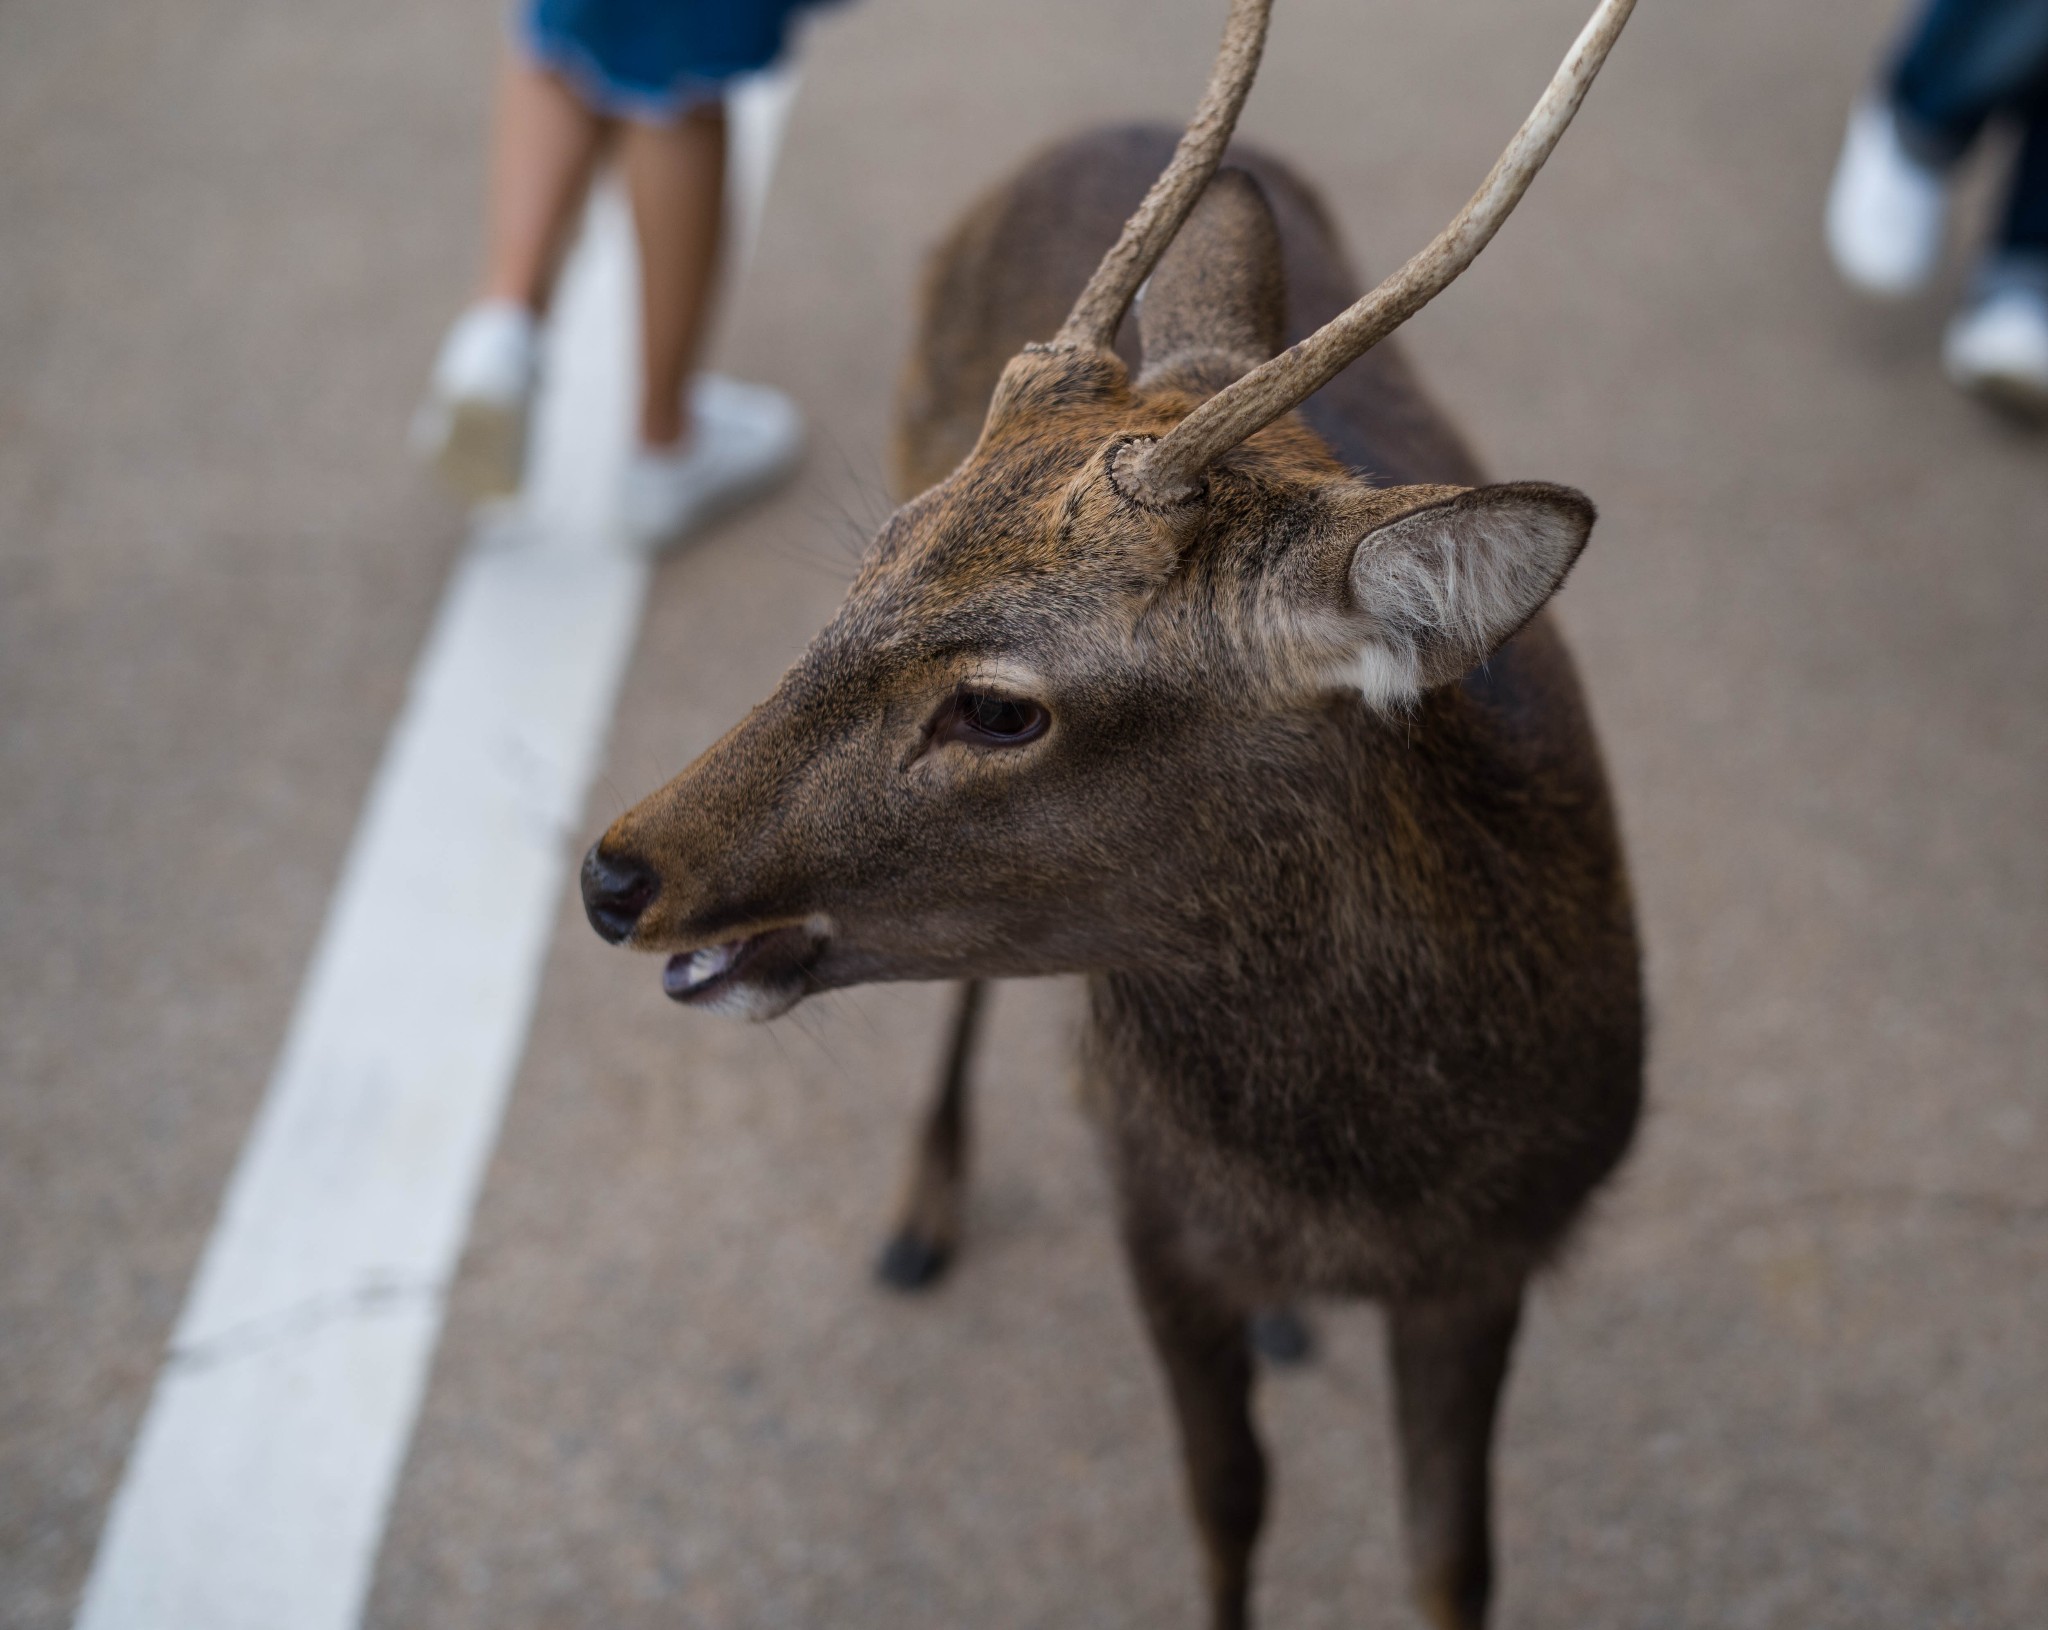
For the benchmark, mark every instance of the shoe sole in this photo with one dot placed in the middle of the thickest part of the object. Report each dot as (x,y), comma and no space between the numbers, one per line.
(743,495)
(2016,395)
(483,454)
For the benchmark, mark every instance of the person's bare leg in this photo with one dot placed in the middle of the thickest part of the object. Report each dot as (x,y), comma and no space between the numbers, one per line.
(544,146)
(675,176)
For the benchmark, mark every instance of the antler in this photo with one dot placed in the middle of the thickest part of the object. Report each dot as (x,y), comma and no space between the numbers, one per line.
(1094,319)
(1170,468)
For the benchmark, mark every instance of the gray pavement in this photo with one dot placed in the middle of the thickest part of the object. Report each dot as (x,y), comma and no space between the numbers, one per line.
(1792,1378)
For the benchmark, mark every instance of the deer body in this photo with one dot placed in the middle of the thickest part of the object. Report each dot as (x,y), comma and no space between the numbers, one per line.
(1393,1049)
(1150,680)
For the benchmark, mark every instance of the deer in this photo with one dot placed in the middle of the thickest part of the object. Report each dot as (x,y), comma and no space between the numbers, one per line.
(1201,661)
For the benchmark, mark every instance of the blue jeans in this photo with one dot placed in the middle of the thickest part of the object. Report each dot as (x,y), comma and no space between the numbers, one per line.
(1967,62)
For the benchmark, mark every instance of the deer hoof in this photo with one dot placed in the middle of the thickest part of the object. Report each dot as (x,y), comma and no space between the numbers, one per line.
(1281,1336)
(909,1262)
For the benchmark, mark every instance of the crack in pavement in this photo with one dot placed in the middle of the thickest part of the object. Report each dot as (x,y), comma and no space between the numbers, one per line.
(373,1298)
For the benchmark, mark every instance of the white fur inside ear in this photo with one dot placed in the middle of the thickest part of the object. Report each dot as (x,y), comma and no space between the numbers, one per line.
(1441,587)
(1388,679)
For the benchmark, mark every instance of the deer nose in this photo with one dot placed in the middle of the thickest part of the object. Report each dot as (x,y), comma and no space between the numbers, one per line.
(617,890)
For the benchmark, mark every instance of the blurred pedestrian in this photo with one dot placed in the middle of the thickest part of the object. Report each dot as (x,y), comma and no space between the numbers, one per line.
(648,77)
(1964,64)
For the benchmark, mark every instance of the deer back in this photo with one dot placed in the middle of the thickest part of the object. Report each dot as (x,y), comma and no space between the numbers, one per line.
(1011,267)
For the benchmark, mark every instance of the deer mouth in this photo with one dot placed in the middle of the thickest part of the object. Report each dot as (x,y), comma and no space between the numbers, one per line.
(756,977)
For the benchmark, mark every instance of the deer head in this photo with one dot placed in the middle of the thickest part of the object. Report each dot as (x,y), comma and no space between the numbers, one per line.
(1072,680)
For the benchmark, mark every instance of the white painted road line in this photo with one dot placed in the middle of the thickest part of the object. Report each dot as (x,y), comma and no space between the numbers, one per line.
(256,1493)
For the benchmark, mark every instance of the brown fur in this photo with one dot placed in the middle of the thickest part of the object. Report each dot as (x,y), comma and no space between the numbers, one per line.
(1365,1017)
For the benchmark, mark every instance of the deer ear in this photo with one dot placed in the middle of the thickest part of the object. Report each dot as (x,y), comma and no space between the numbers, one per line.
(1216,305)
(1445,585)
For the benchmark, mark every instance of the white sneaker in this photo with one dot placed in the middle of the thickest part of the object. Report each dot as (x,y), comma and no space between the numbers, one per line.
(471,425)
(1997,348)
(1887,212)
(745,441)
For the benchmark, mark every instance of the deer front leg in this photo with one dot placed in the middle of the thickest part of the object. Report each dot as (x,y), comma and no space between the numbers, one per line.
(1201,1336)
(928,1222)
(1449,1361)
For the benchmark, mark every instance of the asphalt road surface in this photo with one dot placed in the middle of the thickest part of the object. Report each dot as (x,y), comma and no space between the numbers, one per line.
(1793,1376)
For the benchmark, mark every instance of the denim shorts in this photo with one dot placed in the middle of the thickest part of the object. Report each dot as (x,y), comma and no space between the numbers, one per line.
(654,60)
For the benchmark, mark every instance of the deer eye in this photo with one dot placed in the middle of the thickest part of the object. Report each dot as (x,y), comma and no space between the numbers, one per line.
(984,720)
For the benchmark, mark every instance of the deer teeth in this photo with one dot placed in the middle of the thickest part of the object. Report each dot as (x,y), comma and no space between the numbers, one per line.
(707,964)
